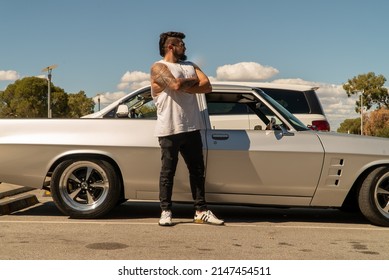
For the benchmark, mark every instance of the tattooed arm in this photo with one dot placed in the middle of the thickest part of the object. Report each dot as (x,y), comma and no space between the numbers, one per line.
(162,78)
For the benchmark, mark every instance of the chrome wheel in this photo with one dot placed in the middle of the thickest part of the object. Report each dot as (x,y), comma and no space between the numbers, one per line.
(381,194)
(85,188)
(84,185)
(373,196)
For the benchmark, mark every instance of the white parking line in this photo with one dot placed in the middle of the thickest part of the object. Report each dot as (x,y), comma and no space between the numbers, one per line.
(267,225)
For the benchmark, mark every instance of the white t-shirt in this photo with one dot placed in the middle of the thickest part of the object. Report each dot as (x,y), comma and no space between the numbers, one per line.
(177,111)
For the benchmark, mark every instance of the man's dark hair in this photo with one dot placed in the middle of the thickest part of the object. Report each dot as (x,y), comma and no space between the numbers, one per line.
(165,37)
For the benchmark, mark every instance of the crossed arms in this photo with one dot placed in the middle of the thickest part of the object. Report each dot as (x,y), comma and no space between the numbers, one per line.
(162,78)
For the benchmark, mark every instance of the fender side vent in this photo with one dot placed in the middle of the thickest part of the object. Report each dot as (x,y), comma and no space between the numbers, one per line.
(335,172)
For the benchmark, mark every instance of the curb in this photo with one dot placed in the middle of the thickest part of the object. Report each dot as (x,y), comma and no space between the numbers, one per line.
(17,204)
(15,191)
(11,199)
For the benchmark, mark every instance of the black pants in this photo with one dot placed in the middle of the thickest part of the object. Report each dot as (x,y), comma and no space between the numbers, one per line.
(190,146)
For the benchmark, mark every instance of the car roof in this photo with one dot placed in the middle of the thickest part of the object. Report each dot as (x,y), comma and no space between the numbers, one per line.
(239,84)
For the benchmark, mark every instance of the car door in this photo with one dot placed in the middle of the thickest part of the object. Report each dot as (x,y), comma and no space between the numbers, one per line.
(141,167)
(262,166)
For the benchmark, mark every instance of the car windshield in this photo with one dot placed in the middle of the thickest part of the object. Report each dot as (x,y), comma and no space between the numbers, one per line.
(297,124)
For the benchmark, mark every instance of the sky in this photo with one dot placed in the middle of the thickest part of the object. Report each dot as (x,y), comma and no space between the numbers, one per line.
(106,48)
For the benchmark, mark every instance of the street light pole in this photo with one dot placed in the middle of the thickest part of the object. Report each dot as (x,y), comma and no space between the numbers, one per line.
(361,109)
(98,96)
(48,70)
(361,113)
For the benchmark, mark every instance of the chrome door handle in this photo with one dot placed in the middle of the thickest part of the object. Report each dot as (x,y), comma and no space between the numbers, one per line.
(220,136)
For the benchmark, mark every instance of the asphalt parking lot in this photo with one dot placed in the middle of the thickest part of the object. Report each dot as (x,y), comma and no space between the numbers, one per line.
(130,231)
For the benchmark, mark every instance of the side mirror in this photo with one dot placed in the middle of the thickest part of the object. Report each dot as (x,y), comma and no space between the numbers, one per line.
(122,111)
(285,132)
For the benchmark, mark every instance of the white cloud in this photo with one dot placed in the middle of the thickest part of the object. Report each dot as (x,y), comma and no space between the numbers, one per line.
(133,80)
(128,82)
(8,75)
(245,71)
(107,98)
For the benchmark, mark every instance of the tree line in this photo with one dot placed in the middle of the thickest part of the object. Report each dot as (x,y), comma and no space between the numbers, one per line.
(372,103)
(27,98)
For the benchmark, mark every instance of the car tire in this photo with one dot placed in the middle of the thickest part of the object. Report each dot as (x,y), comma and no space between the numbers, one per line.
(85,188)
(373,196)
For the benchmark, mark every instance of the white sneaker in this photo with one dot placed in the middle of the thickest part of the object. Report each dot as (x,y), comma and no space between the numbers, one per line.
(207,217)
(166,218)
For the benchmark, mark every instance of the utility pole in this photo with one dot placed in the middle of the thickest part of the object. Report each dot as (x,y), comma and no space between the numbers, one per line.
(361,113)
(48,69)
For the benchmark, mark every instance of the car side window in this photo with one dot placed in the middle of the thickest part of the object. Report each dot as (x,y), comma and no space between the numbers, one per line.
(234,111)
(140,106)
(294,101)
(231,108)
(111,114)
(145,111)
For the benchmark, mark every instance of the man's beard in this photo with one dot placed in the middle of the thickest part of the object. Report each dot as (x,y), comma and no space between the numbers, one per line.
(183,57)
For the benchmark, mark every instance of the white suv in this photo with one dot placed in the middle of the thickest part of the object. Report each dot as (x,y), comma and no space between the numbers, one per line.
(301,101)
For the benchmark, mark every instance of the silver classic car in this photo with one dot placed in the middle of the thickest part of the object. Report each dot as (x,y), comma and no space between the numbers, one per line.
(92,164)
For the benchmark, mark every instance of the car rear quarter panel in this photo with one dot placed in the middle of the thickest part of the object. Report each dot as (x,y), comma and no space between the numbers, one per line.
(29,148)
